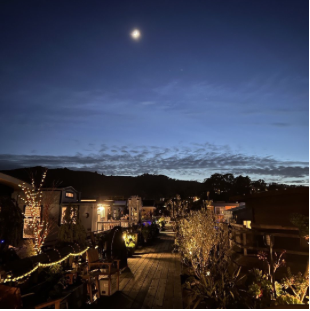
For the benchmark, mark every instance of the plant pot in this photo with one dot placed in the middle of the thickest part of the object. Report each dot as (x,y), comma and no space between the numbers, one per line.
(130,251)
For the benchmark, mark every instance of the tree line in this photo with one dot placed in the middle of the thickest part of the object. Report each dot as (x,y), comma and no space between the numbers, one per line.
(226,185)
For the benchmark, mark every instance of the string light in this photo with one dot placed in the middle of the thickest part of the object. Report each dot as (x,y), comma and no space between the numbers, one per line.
(33,198)
(44,265)
(8,279)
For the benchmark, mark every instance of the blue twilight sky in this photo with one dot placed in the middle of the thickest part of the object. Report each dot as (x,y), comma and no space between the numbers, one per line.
(211,86)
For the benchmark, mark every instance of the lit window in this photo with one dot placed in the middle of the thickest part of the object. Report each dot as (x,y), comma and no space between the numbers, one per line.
(247,223)
(73,214)
(69,195)
(100,212)
(218,211)
(29,220)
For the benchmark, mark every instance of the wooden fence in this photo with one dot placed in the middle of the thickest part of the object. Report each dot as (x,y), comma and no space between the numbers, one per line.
(257,240)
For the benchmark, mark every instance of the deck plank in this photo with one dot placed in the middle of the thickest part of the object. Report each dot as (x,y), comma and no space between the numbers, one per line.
(152,279)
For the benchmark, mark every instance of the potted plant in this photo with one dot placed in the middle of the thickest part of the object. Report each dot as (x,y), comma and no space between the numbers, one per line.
(145,231)
(130,242)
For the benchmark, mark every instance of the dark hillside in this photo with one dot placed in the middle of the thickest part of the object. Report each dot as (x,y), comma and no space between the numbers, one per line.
(97,185)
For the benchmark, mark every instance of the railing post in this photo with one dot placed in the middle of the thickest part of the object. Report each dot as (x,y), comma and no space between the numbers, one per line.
(230,236)
(245,251)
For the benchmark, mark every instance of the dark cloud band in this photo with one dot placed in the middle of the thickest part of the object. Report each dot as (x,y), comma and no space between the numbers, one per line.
(199,161)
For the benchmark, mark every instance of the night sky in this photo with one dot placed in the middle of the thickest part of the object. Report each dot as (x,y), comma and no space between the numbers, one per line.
(210,87)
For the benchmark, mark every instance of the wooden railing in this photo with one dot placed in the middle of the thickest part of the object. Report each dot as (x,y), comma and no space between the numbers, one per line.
(108,225)
(246,239)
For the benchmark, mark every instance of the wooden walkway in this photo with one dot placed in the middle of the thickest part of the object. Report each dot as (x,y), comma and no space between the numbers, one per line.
(151,281)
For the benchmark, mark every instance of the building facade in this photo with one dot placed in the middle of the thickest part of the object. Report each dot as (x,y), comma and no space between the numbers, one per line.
(134,204)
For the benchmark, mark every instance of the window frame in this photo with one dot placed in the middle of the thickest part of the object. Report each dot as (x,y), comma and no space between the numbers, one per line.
(27,217)
(68,196)
(77,210)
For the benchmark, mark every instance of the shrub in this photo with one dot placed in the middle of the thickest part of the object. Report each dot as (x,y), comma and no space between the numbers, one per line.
(204,248)
(72,230)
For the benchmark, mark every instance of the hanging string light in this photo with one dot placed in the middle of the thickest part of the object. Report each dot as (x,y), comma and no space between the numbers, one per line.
(33,201)
(10,278)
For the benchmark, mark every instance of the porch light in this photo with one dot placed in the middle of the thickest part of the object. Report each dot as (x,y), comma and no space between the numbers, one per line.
(101,207)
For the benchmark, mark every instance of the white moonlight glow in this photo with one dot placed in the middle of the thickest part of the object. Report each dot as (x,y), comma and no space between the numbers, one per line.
(135,34)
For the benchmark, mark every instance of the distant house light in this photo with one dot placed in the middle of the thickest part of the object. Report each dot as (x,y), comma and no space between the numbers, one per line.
(247,224)
(69,195)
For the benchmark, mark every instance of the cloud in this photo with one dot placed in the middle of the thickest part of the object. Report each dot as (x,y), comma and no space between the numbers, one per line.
(198,161)
(148,103)
(280,124)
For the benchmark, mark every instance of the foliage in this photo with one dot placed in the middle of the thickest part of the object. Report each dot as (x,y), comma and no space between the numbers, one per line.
(146,232)
(294,287)
(58,280)
(287,299)
(259,185)
(54,282)
(278,261)
(176,206)
(255,291)
(204,248)
(162,223)
(149,231)
(72,230)
(196,237)
(216,280)
(219,285)
(223,186)
(154,230)
(55,269)
(259,289)
(291,290)
(130,240)
(302,223)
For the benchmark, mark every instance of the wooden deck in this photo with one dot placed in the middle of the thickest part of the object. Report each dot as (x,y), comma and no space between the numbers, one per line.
(152,279)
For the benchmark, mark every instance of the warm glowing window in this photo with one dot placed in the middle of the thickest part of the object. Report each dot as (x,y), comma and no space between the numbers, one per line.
(218,211)
(29,220)
(73,214)
(101,213)
(69,195)
(247,223)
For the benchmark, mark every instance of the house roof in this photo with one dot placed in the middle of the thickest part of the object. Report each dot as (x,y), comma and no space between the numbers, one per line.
(119,202)
(68,188)
(12,181)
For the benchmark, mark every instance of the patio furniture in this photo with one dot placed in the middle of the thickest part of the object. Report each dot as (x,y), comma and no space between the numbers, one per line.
(92,279)
(106,273)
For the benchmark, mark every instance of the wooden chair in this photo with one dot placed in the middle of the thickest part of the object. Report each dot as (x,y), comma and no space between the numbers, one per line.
(90,278)
(95,263)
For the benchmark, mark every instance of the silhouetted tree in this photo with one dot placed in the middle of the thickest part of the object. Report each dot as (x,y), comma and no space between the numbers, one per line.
(258,185)
(242,185)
